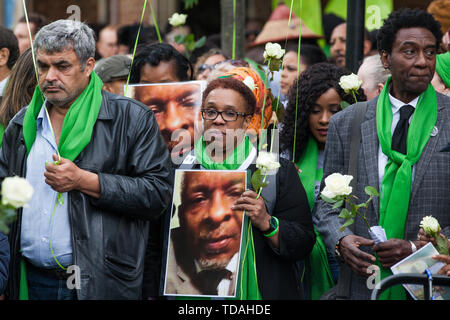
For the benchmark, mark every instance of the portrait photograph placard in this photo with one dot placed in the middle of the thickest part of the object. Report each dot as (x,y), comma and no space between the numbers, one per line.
(176,106)
(204,240)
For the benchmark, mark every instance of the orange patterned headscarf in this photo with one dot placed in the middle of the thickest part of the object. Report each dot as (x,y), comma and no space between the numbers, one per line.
(258,88)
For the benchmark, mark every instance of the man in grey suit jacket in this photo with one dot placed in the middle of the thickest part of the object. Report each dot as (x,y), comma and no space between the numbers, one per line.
(407,43)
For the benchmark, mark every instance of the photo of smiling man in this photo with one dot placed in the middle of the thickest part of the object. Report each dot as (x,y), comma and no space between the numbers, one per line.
(205,235)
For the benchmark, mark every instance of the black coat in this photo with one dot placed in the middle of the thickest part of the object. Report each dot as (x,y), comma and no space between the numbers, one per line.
(4,262)
(109,234)
(278,275)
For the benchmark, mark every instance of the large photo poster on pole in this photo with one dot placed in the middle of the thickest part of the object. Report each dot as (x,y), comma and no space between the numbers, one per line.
(176,106)
(203,247)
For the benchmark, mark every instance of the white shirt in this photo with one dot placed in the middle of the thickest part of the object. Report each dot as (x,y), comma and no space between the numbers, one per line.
(223,288)
(3,85)
(382,158)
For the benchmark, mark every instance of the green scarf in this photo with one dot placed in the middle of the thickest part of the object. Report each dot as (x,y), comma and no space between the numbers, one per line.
(78,122)
(75,135)
(443,67)
(318,274)
(396,185)
(232,162)
(247,285)
(2,132)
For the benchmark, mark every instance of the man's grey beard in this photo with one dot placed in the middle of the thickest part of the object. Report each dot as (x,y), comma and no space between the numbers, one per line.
(60,102)
(213,263)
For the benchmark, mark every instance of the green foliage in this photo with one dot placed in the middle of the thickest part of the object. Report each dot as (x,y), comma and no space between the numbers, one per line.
(442,244)
(190,43)
(7,216)
(189,4)
(344,104)
(371,191)
(349,216)
(257,180)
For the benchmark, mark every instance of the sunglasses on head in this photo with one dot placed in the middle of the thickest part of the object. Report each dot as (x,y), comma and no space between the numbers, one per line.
(235,63)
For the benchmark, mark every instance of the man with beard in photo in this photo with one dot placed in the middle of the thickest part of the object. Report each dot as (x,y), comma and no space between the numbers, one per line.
(204,250)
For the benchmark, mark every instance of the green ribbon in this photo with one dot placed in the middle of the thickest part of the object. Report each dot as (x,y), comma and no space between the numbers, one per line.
(232,162)
(2,132)
(317,269)
(78,122)
(247,288)
(443,67)
(396,185)
(297,77)
(135,46)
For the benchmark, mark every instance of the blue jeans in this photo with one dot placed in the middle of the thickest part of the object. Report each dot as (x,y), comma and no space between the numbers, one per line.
(42,286)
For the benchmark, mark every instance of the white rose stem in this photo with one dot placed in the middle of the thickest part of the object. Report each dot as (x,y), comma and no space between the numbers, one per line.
(296,90)
(233,50)
(279,92)
(135,46)
(155,23)
(354,96)
(58,195)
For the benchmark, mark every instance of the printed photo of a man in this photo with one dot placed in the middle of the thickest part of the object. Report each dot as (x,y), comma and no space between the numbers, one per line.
(177,110)
(204,246)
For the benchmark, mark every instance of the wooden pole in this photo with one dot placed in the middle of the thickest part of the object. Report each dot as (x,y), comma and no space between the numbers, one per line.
(355,34)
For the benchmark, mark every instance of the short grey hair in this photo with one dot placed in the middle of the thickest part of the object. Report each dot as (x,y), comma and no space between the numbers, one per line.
(375,70)
(66,35)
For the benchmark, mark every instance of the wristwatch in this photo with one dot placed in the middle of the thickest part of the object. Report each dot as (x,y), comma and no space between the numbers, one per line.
(413,247)
(337,249)
(273,227)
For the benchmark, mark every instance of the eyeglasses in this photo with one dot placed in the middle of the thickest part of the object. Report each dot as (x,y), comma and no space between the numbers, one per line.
(203,67)
(227,115)
(235,63)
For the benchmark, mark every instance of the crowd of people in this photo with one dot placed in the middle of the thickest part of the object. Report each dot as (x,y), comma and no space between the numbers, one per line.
(102,136)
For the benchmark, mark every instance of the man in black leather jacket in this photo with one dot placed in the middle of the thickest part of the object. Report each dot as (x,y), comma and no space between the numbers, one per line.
(118,183)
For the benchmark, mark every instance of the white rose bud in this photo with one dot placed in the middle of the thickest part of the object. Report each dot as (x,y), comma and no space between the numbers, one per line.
(337,184)
(177,19)
(350,83)
(430,225)
(16,191)
(267,163)
(274,51)
(249,82)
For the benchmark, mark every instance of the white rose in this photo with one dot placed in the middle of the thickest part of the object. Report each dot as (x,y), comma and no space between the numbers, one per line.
(16,191)
(274,51)
(177,19)
(337,184)
(267,162)
(430,225)
(350,83)
(249,82)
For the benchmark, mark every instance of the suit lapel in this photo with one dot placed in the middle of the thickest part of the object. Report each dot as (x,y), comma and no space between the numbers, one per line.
(370,150)
(428,151)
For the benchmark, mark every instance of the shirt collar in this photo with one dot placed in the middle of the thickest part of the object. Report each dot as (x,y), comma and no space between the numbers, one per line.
(397,104)
(42,115)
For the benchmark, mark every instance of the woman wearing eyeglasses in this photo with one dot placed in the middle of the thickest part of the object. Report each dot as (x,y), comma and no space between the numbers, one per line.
(281,228)
(206,63)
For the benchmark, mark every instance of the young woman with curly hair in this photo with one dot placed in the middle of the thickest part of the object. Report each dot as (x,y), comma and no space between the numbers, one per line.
(316,96)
